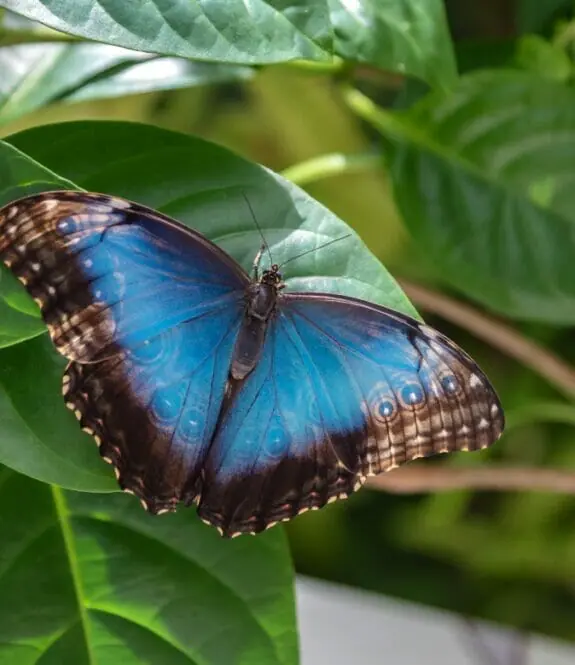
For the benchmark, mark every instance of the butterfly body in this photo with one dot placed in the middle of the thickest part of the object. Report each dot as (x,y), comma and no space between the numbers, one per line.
(204,385)
(261,302)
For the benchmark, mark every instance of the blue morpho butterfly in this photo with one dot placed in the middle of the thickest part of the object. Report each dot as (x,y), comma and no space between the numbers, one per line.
(203,385)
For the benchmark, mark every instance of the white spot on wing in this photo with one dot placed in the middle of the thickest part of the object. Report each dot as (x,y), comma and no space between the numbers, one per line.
(475,381)
(50,204)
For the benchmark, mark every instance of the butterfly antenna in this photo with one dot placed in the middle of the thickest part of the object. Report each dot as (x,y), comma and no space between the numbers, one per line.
(264,246)
(315,249)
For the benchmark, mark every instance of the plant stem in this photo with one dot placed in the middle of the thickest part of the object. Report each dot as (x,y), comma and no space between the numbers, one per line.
(332,164)
(383,120)
(419,479)
(38,36)
(333,66)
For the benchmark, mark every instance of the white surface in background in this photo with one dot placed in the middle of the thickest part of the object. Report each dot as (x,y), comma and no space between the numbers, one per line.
(343,626)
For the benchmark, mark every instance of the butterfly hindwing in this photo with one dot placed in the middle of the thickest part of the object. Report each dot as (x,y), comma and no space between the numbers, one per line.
(147,312)
(344,390)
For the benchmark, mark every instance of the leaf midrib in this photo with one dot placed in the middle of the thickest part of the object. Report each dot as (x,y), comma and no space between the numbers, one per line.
(63,515)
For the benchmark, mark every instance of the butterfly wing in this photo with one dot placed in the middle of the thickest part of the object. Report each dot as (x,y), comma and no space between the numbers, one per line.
(343,390)
(147,312)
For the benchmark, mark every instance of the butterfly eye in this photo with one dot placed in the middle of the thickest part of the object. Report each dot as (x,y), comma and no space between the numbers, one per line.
(412,394)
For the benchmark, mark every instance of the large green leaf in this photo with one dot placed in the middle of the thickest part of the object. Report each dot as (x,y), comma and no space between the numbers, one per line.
(38,435)
(94,580)
(34,75)
(231,31)
(485,179)
(206,187)
(408,36)
(16,326)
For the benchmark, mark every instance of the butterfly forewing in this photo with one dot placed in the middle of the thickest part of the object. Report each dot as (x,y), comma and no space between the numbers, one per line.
(147,311)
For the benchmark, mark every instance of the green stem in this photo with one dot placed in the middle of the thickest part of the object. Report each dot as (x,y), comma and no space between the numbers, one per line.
(333,66)
(332,164)
(382,119)
(40,35)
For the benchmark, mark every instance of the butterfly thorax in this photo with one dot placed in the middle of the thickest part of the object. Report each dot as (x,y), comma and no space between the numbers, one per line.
(261,299)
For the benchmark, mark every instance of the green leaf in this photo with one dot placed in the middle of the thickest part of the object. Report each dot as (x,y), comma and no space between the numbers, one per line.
(157,73)
(543,58)
(20,175)
(231,31)
(206,187)
(94,580)
(408,36)
(34,75)
(16,326)
(38,435)
(12,293)
(484,178)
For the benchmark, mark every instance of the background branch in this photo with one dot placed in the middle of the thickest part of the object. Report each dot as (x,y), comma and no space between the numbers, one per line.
(415,479)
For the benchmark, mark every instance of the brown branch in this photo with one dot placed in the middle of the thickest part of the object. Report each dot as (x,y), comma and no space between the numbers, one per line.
(417,480)
(499,335)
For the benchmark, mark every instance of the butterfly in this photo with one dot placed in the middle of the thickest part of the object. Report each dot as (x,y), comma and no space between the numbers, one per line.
(203,385)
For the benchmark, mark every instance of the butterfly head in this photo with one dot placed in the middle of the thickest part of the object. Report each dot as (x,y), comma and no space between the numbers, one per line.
(272,276)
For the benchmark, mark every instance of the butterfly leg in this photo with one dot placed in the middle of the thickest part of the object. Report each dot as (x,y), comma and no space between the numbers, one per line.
(257,260)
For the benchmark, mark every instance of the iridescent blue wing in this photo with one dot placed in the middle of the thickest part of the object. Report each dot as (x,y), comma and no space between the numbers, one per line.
(343,390)
(147,311)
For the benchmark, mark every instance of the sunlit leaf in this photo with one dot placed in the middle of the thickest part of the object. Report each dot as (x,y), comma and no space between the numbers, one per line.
(92,580)
(407,36)
(34,75)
